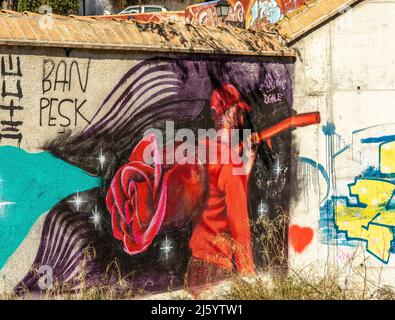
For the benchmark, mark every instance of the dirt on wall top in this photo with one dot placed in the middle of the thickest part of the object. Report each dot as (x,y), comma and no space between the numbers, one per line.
(30,29)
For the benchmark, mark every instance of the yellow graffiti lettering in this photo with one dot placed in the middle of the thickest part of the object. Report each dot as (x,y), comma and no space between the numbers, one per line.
(373,219)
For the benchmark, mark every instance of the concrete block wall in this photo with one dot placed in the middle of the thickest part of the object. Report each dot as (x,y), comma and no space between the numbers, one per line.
(345,69)
(70,120)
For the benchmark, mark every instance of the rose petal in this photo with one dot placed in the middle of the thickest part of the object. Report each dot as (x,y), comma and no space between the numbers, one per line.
(159,215)
(116,226)
(138,151)
(158,170)
(117,192)
(144,211)
(131,199)
(126,228)
(133,248)
(136,171)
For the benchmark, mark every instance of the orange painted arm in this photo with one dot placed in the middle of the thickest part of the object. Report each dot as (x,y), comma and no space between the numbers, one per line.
(301,120)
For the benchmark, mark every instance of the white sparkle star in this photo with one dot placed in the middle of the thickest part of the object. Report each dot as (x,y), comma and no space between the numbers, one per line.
(102,159)
(4,204)
(166,247)
(77,201)
(96,217)
(262,209)
(278,168)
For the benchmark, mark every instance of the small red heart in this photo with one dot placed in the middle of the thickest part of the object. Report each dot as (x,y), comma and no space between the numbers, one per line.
(300,237)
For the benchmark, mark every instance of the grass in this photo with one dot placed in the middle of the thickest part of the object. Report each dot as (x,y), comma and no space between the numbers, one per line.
(269,287)
(275,282)
(290,288)
(281,283)
(295,286)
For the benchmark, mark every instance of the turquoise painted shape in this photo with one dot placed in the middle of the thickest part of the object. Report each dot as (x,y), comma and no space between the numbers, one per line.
(31,184)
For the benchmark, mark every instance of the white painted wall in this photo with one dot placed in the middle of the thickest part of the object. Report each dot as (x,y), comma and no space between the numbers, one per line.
(101,70)
(345,70)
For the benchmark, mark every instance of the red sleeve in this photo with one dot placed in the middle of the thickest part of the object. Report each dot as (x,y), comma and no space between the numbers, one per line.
(235,189)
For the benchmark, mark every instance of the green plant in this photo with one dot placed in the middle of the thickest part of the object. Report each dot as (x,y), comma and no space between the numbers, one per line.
(65,7)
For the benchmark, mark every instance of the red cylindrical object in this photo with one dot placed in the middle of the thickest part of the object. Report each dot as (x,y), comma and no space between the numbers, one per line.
(300,120)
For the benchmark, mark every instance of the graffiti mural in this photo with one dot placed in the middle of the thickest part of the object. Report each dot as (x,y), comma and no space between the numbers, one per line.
(358,207)
(11,95)
(60,78)
(91,186)
(252,14)
(288,5)
(163,17)
(266,11)
(202,14)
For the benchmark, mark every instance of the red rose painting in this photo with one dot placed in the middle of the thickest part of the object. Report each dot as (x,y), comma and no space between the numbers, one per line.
(144,199)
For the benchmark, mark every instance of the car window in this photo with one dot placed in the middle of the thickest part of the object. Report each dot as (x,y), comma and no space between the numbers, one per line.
(153,9)
(131,10)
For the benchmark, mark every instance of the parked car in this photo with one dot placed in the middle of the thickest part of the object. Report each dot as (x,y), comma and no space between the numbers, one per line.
(143,9)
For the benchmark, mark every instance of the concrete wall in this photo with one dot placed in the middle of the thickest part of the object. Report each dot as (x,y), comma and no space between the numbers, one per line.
(69,123)
(74,139)
(345,213)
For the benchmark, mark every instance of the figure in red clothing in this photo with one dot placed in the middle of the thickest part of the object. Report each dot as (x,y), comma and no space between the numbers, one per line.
(221,238)
(146,199)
